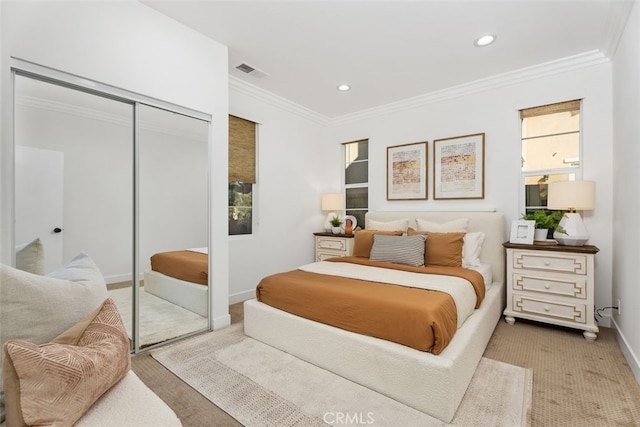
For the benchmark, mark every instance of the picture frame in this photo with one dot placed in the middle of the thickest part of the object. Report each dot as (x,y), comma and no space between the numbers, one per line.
(522,231)
(407,171)
(458,167)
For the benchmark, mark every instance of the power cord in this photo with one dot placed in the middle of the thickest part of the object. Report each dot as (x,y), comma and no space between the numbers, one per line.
(598,313)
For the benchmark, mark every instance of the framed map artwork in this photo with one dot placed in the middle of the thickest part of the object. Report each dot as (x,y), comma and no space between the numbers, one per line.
(458,167)
(407,172)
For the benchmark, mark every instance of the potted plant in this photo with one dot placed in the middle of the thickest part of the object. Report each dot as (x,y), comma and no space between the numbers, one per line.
(336,223)
(546,222)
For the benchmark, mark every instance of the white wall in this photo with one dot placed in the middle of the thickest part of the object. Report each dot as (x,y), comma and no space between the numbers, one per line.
(173,190)
(127,45)
(495,112)
(97,183)
(626,203)
(296,164)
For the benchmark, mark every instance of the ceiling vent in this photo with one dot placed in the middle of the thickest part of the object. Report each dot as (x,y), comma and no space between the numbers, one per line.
(252,71)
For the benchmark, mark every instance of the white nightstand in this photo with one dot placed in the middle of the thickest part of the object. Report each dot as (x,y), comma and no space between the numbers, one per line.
(552,284)
(332,245)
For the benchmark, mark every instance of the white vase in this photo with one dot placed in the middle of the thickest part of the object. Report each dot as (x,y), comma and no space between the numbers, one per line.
(540,234)
(336,230)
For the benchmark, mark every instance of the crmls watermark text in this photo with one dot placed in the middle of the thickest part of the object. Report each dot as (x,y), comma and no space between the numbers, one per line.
(348,418)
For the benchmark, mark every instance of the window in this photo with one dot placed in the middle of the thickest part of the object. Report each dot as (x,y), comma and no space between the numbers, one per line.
(242,175)
(356,179)
(550,149)
(240,208)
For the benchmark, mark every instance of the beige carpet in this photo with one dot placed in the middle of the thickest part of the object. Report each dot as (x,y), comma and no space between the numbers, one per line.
(565,391)
(577,383)
(160,320)
(261,386)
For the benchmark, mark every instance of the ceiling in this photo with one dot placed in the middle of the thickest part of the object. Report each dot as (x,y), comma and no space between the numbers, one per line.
(393,50)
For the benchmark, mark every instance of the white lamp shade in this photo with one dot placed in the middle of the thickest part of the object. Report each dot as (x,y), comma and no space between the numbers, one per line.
(572,195)
(332,202)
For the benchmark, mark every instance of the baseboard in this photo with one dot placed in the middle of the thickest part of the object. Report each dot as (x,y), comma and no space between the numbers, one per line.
(632,358)
(242,296)
(120,278)
(221,322)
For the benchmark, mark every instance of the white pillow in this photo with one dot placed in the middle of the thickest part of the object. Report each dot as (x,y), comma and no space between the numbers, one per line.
(39,308)
(472,248)
(454,226)
(399,224)
(30,257)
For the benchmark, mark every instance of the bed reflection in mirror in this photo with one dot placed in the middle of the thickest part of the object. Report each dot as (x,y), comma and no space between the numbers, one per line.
(75,176)
(173,218)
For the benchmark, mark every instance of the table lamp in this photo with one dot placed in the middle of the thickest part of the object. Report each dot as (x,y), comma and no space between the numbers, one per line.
(331,202)
(572,196)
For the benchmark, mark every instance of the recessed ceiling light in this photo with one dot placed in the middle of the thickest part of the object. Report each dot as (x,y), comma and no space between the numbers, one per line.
(344,88)
(485,40)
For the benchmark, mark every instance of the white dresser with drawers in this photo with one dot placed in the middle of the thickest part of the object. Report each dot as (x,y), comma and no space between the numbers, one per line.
(552,284)
(333,245)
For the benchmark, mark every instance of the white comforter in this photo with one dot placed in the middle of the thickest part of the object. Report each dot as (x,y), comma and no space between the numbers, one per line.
(204,250)
(461,290)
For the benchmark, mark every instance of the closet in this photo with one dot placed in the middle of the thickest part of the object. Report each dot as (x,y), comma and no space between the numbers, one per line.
(115,175)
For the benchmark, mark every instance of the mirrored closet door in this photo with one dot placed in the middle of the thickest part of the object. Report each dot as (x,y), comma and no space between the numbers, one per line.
(173,193)
(124,183)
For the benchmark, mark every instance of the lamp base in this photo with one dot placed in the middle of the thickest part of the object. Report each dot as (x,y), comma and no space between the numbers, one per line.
(566,240)
(327,223)
(575,233)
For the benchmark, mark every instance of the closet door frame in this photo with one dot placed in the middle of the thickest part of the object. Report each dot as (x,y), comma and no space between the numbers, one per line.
(28,69)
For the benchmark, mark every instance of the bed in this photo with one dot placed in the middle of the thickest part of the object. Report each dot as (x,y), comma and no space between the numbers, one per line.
(433,384)
(180,277)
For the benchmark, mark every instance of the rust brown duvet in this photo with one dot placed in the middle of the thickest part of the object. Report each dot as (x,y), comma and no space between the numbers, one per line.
(189,266)
(422,319)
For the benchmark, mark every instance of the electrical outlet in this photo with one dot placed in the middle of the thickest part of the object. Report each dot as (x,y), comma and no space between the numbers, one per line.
(618,306)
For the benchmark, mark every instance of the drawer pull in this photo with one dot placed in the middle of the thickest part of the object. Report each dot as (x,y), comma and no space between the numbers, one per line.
(547,263)
(547,286)
(547,308)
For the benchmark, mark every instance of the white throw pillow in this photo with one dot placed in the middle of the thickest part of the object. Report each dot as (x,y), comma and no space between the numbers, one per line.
(472,248)
(39,308)
(30,257)
(399,224)
(459,225)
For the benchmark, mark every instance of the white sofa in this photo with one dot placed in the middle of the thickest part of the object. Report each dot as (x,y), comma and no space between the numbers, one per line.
(129,403)
(37,309)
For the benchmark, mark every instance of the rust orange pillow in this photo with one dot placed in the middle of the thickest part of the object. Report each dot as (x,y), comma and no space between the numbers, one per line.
(363,241)
(56,383)
(443,249)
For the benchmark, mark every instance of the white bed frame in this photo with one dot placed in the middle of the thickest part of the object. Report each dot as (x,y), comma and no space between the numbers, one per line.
(432,384)
(192,296)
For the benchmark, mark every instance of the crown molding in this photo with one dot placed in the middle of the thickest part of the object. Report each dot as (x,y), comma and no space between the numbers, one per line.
(570,63)
(277,101)
(584,60)
(64,108)
(103,116)
(616,23)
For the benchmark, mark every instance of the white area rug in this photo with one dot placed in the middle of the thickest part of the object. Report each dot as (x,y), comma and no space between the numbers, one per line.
(259,385)
(160,320)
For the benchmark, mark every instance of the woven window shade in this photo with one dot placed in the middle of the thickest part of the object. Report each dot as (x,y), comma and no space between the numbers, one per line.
(560,107)
(242,150)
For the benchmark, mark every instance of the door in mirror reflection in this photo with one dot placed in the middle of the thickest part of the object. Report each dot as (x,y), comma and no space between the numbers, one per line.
(85,184)
(173,224)
(74,181)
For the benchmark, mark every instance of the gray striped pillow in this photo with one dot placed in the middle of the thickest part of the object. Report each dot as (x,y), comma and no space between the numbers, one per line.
(399,249)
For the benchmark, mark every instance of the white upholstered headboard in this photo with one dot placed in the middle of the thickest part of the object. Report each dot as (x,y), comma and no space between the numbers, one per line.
(491,223)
